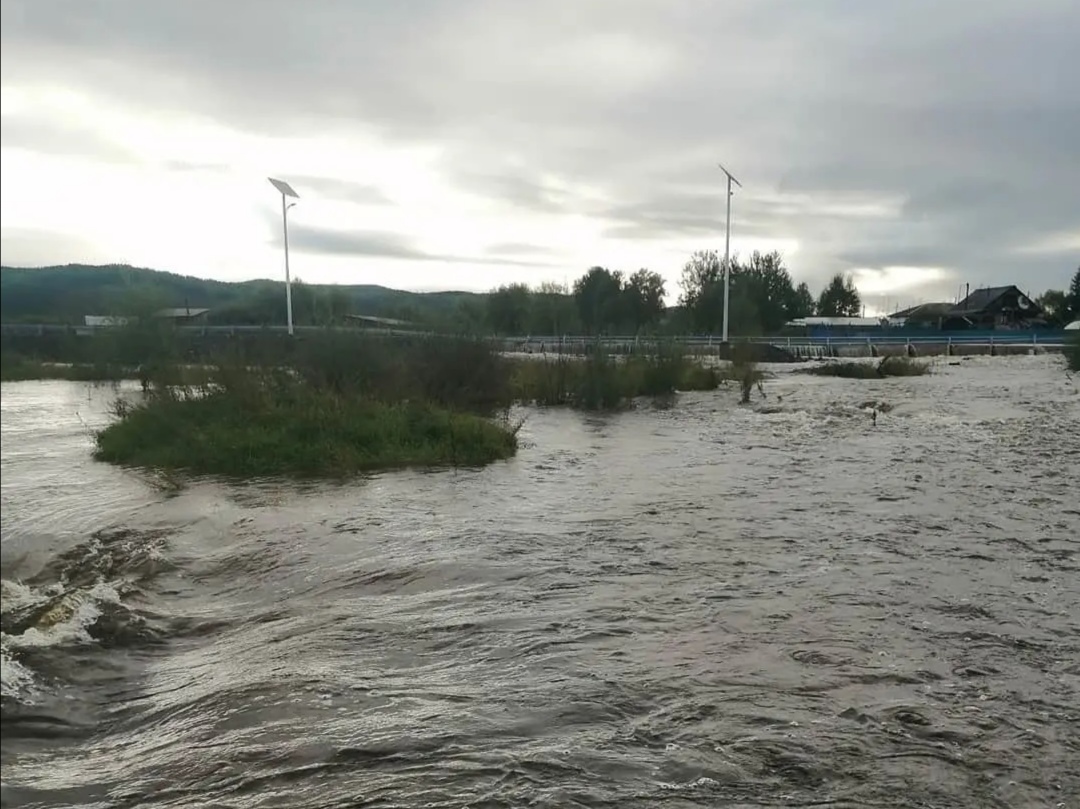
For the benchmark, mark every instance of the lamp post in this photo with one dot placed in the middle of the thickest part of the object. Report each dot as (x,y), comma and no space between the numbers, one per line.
(727,250)
(286,191)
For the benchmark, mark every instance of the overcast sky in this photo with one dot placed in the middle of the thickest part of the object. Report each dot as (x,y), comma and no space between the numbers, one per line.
(462,144)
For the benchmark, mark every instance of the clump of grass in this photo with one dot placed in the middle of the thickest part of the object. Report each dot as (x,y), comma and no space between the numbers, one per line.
(744,370)
(331,404)
(902,366)
(599,381)
(276,424)
(887,367)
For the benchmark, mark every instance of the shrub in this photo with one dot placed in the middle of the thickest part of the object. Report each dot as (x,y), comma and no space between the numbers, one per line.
(888,366)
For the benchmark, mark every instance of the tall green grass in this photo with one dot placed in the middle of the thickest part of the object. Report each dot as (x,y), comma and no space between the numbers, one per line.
(600,381)
(275,424)
(329,405)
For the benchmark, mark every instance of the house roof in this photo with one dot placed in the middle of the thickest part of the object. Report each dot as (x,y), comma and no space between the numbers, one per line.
(982,298)
(835,321)
(923,310)
(380,321)
(182,311)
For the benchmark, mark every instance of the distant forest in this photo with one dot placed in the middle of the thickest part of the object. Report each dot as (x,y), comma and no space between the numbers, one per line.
(763,298)
(66,294)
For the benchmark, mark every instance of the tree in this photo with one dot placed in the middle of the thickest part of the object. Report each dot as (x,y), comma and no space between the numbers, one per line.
(802,305)
(763,287)
(643,296)
(702,295)
(1074,296)
(553,310)
(508,309)
(763,298)
(840,298)
(1056,305)
(598,295)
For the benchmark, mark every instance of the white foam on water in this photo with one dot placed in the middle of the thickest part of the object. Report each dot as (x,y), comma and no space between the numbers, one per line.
(83,608)
(16,680)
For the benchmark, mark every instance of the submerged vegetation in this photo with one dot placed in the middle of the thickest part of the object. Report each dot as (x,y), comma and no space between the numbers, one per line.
(599,381)
(331,405)
(889,366)
(280,426)
(334,403)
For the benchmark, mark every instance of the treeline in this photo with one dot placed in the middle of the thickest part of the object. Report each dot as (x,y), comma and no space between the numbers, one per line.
(1062,306)
(763,298)
(602,301)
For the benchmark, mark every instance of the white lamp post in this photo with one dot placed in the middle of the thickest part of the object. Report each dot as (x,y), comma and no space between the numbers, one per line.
(727,249)
(286,191)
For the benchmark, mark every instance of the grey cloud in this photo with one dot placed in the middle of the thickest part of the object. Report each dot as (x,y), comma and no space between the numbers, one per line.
(64,140)
(328,242)
(26,247)
(517,249)
(511,189)
(340,189)
(194,167)
(965,123)
(377,244)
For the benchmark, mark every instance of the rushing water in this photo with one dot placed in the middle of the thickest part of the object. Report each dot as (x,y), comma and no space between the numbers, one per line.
(708,605)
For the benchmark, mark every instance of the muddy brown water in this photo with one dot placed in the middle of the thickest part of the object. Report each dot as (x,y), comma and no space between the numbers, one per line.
(708,605)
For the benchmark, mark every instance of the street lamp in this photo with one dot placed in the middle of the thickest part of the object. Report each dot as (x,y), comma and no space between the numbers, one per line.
(286,191)
(727,249)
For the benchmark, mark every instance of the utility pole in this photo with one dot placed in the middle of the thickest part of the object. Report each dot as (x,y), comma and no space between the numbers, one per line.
(727,251)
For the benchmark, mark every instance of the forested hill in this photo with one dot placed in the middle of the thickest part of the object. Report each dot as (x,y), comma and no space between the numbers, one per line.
(66,294)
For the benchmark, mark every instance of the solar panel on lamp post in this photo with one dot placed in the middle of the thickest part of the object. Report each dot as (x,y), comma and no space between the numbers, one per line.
(286,191)
(727,250)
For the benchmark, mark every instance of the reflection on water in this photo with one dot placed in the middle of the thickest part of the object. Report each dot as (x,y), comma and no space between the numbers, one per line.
(777,605)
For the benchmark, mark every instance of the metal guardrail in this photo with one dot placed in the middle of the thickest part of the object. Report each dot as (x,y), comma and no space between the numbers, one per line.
(885,338)
(959,338)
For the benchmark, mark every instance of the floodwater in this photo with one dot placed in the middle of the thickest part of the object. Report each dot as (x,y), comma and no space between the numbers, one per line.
(780,605)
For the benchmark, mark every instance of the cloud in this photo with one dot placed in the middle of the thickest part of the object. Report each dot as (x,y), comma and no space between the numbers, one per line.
(866,137)
(65,140)
(373,244)
(354,243)
(338,189)
(25,247)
